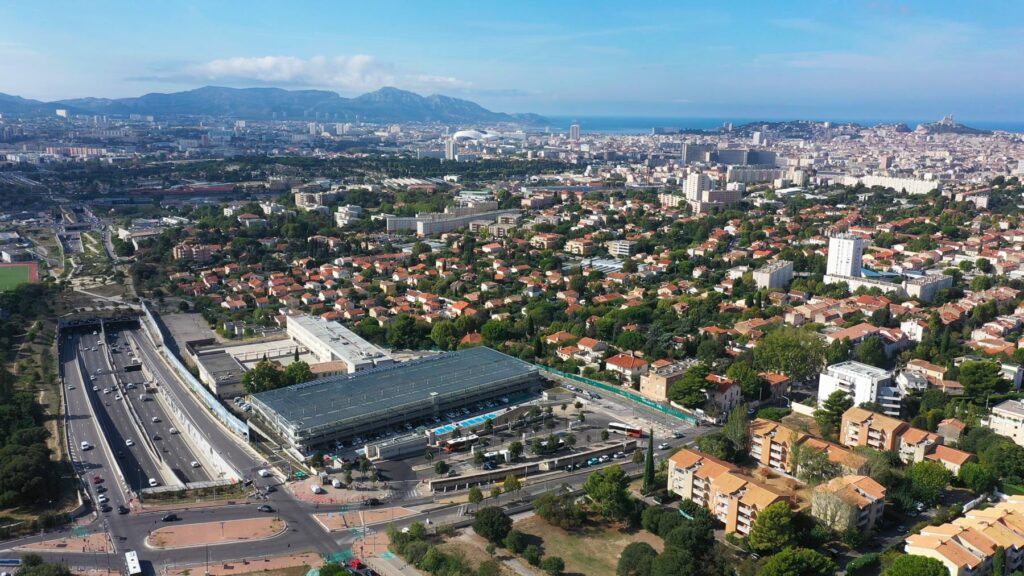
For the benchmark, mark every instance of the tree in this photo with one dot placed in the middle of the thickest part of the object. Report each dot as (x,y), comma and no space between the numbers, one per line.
(798,562)
(913,565)
(297,373)
(492,524)
(798,353)
(737,431)
(608,492)
(977,478)
(872,351)
(631,340)
(489,567)
(636,560)
(514,542)
(445,335)
(773,529)
(648,483)
(674,562)
(263,377)
(688,535)
(927,480)
(553,565)
(717,445)
(560,510)
(532,554)
(476,496)
(515,449)
(441,467)
(981,378)
(830,415)
(512,484)
(815,467)
(748,379)
(838,351)
(689,390)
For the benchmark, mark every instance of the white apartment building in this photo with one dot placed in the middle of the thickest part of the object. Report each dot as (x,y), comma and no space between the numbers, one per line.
(926,287)
(774,274)
(861,382)
(1007,419)
(620,248)
(695,185)
(844,255)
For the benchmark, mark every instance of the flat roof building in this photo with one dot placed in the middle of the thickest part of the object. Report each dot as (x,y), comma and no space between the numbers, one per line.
(332,342)
(344,406)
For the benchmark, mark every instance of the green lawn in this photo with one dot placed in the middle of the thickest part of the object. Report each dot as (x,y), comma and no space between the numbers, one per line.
(11,276)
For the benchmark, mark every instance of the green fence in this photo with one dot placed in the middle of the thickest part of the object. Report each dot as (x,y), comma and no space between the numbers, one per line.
(621,392)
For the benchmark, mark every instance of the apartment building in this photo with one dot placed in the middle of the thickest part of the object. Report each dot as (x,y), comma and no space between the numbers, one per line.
(774,275)
(863,383)
(862,427)
(915,444)
(772,445)
(966,545)
(620,248)
(657,381)
(849,502)
(719,486)
(1007,419)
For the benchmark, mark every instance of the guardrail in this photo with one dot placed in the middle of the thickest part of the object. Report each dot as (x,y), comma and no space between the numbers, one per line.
(620,392)
(212,403)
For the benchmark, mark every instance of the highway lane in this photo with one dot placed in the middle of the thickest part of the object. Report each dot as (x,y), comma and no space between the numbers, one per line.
(156,423)
(82,427)
(136,462)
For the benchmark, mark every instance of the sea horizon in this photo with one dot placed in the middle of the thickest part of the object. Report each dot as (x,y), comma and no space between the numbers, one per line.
(644,124)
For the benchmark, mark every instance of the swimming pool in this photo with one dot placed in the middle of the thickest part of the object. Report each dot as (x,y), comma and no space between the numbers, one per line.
(467,423)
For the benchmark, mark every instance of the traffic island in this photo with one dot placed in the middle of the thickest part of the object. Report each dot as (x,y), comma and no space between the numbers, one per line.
(299,563)
(96,542)
(348,520)
(212,533)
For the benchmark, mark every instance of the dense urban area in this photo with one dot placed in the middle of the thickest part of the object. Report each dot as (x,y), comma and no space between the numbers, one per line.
(490,347)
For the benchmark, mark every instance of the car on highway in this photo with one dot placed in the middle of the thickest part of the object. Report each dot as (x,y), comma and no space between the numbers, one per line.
(264,508)
(95,388)
(92,378)
(195,464)
(593,461)
(118,397)
(264,473)
(663,446)
(173,430)
(170,518)
(129,442)
(678,434)
(371,502)
(71,386)
(86,446)
(153,483)
(155,420)
(619,455)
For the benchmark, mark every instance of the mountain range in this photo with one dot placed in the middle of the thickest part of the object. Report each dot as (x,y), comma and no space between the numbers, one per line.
(384,105)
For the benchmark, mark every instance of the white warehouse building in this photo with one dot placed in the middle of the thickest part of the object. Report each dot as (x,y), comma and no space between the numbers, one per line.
(331,342)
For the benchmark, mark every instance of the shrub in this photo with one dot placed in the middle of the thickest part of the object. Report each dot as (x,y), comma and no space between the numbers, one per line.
(863,564)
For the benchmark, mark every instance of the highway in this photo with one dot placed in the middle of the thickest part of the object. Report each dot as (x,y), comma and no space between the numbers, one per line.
(136,461)
(173,448)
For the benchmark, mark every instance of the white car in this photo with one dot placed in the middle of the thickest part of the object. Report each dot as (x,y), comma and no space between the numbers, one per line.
(95,388)
(129,442)
(155,420)
(92,378)
(264,473)
(195,464)
(86,446)
(103,499)
(663,446)
(153,483)
(173,430)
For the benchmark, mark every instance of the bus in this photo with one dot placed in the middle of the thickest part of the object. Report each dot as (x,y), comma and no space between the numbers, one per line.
(457,444)
(620,428)
(131,560)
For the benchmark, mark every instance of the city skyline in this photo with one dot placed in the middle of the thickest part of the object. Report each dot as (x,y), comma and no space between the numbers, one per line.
(851,61)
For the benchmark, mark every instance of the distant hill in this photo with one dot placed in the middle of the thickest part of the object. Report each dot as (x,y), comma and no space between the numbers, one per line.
(948,126)
(384,105)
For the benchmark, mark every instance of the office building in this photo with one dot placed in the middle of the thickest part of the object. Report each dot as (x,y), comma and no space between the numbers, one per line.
(696,153)
(732,498)
(774,275)
(1007,419)
(342,407)
(329,341)
(844,255)
(849,502)
(574,132)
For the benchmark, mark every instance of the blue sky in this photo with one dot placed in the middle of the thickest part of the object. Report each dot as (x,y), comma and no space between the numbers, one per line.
(814,59)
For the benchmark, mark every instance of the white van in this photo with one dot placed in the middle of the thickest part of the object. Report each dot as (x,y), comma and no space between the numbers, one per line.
(316,489)
(336,483)
(264,473)
(86,445)
(143,397)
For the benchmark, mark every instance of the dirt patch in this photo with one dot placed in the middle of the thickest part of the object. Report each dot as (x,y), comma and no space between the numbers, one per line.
(188,535)
(97,542)
(593,551)
(802,423)
(474,549)
(290,565)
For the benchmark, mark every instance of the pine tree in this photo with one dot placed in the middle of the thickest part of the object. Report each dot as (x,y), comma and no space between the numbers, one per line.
(649,465)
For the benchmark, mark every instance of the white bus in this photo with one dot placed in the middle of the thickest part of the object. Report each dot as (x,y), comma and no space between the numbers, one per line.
(131,560)
(620,428)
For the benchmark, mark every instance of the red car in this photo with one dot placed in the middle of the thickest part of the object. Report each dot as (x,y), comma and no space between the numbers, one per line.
(97,479)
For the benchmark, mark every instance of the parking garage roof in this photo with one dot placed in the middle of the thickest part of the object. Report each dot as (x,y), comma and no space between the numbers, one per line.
(335,399)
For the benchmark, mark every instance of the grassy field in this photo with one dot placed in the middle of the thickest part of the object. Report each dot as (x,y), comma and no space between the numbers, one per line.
(592,552)
(11,276)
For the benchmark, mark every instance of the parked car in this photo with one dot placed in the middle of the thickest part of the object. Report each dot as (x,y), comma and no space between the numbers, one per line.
(122,509)
(663,446)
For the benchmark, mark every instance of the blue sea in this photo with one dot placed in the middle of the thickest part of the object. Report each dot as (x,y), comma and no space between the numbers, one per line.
(644,124)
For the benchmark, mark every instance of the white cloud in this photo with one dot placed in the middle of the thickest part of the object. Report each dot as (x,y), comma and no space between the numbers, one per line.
(358,72)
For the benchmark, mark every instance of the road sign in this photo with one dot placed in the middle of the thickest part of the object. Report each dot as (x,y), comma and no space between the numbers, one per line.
(10,561)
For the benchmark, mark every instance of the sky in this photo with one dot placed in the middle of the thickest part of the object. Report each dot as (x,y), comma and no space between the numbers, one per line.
(820,59)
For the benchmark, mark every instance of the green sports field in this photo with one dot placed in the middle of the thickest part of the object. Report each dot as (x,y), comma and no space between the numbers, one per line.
(11,276)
